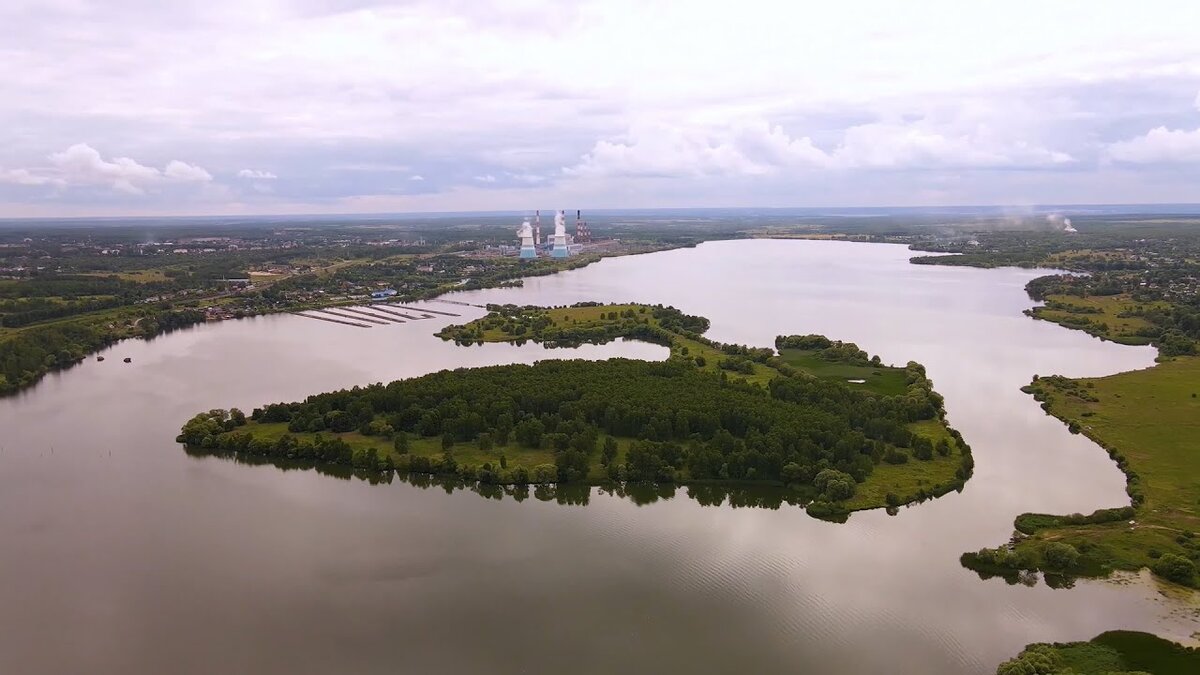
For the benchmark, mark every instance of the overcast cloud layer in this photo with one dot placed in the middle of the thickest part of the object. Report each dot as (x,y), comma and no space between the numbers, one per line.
(332,106)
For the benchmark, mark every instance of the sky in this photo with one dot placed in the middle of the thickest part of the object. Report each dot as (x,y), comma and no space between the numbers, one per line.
(197,107)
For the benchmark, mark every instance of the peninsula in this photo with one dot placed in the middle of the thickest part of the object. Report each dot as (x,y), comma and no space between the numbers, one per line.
(816,416)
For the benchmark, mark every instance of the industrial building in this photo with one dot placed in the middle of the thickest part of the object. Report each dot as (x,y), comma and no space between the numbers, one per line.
(528,248)
(558,245)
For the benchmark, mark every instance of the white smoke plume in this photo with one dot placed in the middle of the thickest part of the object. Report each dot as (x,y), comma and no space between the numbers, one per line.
(1061,222)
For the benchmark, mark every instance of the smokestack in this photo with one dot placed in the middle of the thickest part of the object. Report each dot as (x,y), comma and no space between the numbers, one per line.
(537,227)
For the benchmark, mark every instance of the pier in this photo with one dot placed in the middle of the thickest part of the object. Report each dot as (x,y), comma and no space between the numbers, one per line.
(427,311)
(370,315)
(351,315)
(330,319)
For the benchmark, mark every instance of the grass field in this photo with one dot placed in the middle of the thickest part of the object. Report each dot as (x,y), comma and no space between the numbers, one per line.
(1099,316)
(886,380)
(1151,418)
(140,276)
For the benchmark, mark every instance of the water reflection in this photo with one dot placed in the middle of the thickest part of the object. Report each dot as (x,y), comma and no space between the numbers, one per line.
(731,495)
(154,561)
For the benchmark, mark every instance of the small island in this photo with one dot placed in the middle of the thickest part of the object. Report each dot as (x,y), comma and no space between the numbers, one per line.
(815,416)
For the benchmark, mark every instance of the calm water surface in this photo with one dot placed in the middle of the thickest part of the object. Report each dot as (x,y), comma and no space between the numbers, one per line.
(124,555)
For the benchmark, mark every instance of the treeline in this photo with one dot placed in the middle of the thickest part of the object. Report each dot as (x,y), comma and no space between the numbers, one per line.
(684,424)
(830,350)
(649,323)
(58,311)
(27,355)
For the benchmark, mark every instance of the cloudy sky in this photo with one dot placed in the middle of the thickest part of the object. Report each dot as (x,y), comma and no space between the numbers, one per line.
(145,107)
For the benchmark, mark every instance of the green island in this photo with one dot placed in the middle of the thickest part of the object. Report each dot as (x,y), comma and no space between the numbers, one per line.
(1115,652)
(819,418)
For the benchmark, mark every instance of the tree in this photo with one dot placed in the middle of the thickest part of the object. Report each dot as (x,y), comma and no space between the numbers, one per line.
(1060,556)
(1037,659)
(1175,568)
(528,432)
(834,485)
(400,442)
(544,473)
(610,451)
(485,442)
(792,472)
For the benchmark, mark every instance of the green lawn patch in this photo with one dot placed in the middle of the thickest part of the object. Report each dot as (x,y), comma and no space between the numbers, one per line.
(886,380)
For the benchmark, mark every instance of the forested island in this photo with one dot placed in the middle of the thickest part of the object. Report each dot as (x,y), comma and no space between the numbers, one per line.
(796,416)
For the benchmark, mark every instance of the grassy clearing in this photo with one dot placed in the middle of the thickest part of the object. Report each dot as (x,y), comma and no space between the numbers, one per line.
(885,380)
(1150,421)
(139,276)
(907,480)
(1105,317)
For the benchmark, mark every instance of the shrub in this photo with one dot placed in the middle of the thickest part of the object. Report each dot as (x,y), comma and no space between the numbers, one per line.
(1060,556)
(1175,568)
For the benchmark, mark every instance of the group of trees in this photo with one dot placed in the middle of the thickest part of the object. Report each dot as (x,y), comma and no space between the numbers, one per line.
(222,430)
(27,355)
(655,324)
(830,350)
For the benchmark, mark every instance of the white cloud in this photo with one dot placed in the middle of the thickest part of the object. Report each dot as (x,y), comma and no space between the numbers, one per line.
(1159,146)
(757,148)
(81,164)
(417,177)
(835,90)
(256,174)
(919,146)
(25,177)
(184,172)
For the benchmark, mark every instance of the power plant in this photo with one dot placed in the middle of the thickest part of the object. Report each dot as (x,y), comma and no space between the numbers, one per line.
(528,248)
(558,245)
(560,236)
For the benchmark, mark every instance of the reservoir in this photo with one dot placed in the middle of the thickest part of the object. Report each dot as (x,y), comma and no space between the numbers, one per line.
(122,554)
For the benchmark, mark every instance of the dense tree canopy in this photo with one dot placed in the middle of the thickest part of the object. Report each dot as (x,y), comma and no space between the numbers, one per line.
(683,424)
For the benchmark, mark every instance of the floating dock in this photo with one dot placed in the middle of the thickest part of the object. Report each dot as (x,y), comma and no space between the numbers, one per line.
(427,311)
(370,315)
(330,319)
(388,310)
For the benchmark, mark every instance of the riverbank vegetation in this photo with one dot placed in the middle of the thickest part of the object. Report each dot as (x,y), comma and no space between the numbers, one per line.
(1149,423)
(1116,652)
(694,418)
(1139,287)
